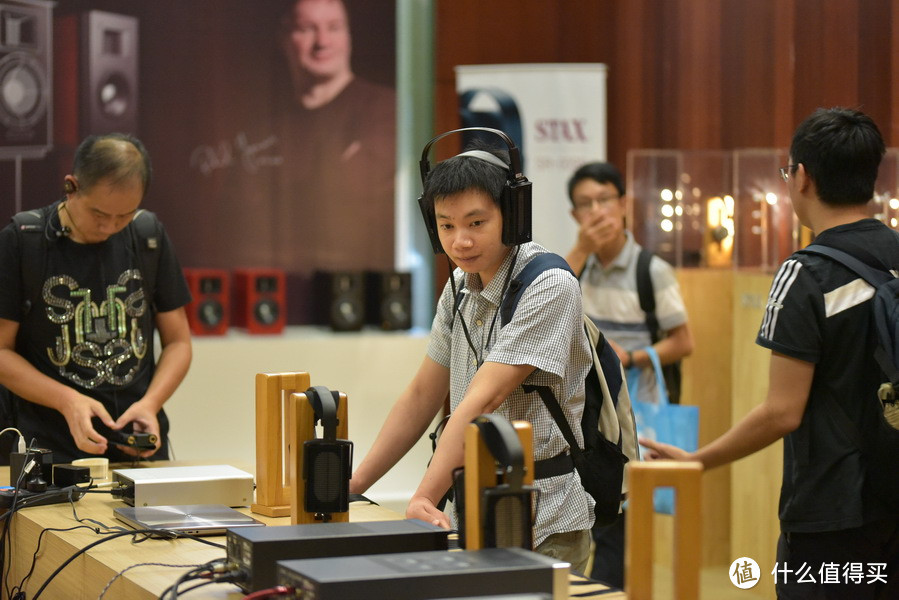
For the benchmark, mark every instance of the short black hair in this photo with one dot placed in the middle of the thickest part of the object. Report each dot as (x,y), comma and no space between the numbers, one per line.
(113,157)
(841,150)
(601,172)
(461,173)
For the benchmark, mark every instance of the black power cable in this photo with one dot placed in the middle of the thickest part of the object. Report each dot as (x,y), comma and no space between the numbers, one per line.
(111,536)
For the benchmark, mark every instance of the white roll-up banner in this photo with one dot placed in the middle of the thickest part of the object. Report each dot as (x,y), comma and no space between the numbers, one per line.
(556,115)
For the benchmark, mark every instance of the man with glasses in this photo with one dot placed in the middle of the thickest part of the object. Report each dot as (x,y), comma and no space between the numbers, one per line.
(605,257)
(822,377)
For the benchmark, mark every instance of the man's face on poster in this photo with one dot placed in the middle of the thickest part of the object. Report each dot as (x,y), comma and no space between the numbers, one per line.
(318,38)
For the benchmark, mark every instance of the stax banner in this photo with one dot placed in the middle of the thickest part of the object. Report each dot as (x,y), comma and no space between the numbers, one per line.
(556,114)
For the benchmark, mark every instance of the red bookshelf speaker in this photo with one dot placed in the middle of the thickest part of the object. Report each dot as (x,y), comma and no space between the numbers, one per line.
(209,311)
(260,300)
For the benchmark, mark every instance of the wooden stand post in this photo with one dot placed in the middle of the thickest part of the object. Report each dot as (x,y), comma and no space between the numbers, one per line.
(301,427)
(643,478)
(480,473)
(272,486)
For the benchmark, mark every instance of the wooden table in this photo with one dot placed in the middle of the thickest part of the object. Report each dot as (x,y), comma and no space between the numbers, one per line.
(88,575)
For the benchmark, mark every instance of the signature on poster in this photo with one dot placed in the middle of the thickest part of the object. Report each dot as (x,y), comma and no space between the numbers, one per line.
(239,152)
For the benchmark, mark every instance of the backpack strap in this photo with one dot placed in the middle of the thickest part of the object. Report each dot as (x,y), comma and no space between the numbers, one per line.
(29,226)
(874,277)
(517,285)
(530,272)
(552,405)
(646,292)
(145,239)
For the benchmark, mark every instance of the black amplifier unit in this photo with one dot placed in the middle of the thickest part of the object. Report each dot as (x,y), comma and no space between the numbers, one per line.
(258,551)
(426,575)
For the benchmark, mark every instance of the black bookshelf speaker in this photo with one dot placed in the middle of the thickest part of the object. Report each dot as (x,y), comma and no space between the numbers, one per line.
(389,300)
(26,94)
(339,297)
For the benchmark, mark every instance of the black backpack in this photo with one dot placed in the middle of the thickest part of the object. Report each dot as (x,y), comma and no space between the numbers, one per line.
(670,372)
(608,424)
(880,446)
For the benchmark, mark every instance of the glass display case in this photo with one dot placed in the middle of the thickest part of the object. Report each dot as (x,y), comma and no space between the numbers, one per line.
(681,207)
(718,208)
(767,229)
(885,203)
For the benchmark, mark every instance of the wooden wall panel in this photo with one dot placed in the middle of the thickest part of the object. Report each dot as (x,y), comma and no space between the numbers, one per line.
(697,86)
(874,64)
(891,129)
(756,479)
(749,85)
(630,79)
(708,383)
(783,68)
(710,74)
(827,48)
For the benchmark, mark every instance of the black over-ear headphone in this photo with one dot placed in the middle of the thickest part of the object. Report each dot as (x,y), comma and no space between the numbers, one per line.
(515,201)
(327,462)
(506,509)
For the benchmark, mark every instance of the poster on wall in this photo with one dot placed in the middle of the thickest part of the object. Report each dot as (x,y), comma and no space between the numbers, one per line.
(556,115)
(271,125)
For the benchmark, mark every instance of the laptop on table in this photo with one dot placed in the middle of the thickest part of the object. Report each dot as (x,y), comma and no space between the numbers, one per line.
(192,519)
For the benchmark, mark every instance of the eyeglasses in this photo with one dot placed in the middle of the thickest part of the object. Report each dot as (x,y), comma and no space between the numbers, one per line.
(585,204)
(785,172)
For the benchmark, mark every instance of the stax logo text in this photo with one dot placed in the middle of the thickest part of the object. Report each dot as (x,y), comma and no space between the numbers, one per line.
(561,130)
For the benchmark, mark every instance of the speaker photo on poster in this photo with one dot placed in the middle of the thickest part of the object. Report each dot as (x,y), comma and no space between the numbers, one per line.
(96,76)
(26,96)
(109,47)
(260,300)
(209,311)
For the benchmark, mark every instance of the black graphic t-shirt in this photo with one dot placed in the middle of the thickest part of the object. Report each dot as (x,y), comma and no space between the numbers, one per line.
(88,323)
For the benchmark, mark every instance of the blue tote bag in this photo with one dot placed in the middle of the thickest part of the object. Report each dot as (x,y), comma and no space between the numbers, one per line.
(676,424)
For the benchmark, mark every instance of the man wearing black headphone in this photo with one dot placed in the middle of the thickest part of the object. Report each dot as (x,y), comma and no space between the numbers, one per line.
(84,285)
(481,362)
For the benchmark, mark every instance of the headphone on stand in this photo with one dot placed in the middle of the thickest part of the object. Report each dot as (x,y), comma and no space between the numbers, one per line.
(506,509)
(515,199)
(327,462)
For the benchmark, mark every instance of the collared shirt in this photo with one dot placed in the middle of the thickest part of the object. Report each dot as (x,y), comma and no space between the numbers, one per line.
(546,332)
(611,300)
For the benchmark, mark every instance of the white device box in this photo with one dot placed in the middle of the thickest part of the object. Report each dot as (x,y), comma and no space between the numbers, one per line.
(205,484)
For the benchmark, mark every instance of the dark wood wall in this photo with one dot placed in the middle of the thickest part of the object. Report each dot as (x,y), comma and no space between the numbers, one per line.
(690,74)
